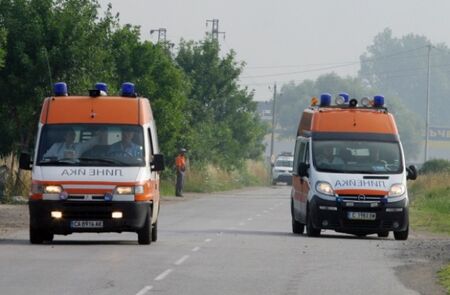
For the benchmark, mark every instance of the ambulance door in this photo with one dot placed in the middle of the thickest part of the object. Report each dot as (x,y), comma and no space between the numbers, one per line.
(298,182)
(304,181)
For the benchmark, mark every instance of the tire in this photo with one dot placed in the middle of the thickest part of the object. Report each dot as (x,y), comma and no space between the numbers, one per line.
(155,232)
(274,182)
(310,230)
(383,234)
(36,235)
(402,235)
(297,227)
(145,233)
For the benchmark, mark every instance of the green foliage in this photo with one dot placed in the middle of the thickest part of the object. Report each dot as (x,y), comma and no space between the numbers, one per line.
(435,166)
(399,66)
(222,126)
(444,277)
(156,77)
(2,45)
(47,41)
(430,203)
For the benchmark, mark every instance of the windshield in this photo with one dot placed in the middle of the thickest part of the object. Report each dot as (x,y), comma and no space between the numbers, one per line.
(284,163)
(348,156)
(91,145)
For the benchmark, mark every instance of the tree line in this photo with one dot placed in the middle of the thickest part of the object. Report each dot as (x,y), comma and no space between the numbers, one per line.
(395,67)
(196,99)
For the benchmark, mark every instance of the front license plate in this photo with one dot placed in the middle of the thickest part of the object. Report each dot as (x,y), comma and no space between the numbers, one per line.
(362,215)
(86,223)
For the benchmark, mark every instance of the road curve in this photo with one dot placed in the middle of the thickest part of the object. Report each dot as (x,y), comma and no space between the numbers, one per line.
(238,242)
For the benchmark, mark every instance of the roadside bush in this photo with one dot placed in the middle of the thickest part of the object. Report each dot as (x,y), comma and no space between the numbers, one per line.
(435,166)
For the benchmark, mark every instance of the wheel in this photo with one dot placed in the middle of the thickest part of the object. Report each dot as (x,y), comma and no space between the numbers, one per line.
(274,182)
(402,235)
(383,234)
(310,230)
(155,232)
(48,236)
(36,235)
(297,227)
(145,233)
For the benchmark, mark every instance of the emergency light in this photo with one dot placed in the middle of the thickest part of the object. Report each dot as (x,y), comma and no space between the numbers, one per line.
(102,87)
(325,99)
(365,101)
(128,89)
(378,101)
(342,98)
(60,89)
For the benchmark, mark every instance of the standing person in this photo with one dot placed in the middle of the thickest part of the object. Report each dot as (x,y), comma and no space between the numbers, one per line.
(180,165)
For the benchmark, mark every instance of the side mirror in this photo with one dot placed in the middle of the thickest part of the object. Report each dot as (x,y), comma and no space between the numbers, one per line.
(158,163)
(303,169)
(411,172)
(25,161)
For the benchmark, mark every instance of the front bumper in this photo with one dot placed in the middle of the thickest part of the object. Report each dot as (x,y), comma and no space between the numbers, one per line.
(390,216)
(134,214)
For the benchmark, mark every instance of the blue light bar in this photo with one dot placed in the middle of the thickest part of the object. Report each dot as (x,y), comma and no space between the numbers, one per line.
(101,86)
(128,89)
(60,89)
(325,99)
(378,101)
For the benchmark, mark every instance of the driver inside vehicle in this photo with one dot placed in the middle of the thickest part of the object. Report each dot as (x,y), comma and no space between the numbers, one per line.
(126,147)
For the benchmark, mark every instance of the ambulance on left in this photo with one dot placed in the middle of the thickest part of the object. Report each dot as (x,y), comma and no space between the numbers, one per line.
(96,165)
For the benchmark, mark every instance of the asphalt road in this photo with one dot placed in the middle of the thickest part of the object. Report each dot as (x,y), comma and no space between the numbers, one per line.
(232,243)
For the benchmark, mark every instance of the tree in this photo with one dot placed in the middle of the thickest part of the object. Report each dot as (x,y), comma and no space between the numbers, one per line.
(156,76)
(2,46)
(223,126)
(399,66)
(65,36)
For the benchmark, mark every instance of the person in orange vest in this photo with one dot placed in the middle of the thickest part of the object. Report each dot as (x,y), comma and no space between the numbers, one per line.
(180,165)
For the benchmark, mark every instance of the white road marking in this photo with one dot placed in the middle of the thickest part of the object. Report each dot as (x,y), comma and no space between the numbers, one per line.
(250,219)
(144,290)
(181,260)
(163,275)
(208,240)
(195,249)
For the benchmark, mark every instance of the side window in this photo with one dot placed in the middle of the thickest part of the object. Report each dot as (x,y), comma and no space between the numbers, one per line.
(298,154)
(150,140)
(306,156)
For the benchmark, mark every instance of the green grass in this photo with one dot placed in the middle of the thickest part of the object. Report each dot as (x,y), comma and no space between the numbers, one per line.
(213,179)
(444,277)
(430,210)
(430,203)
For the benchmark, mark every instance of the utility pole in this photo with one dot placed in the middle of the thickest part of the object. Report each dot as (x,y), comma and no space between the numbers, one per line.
(272,156)
(161,34)
(215,29)
(427,120)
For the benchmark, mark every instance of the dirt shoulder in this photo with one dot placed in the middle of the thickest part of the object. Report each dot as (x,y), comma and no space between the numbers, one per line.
(423,253)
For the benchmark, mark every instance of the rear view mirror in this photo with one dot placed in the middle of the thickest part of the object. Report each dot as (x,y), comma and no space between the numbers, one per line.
(25,161)
(303,169)
(411,172)
(158,163)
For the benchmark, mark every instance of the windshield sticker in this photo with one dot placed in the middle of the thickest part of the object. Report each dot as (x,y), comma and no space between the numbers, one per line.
(360,183)
(91,172)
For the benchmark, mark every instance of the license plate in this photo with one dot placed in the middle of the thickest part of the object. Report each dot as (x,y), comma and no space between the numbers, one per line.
(362,215)
(86,223)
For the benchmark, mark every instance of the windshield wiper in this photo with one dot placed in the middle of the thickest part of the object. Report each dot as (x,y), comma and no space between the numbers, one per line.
(107,161)
(57,162)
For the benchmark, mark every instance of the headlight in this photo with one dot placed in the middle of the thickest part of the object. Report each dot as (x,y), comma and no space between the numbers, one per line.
(52,189)
(124,190)
(396,190)
(324,188)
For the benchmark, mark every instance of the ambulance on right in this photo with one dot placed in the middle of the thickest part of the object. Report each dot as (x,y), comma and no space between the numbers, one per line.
(349,171)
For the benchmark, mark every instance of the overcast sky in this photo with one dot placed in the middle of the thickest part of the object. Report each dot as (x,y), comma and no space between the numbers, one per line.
(275,37)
